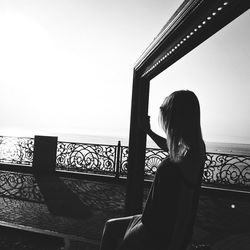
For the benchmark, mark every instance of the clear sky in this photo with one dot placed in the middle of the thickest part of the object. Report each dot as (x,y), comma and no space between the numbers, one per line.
(66,67)
(218,72)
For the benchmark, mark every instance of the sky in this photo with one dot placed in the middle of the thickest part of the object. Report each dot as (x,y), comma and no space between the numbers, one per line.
(67,68)
(218,72)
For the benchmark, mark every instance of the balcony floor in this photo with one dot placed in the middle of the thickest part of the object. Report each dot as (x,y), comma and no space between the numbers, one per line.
(77,210)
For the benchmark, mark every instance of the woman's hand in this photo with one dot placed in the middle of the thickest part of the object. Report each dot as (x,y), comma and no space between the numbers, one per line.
(160,141)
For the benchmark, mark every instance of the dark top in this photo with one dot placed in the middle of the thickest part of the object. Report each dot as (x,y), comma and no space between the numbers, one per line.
(171,206)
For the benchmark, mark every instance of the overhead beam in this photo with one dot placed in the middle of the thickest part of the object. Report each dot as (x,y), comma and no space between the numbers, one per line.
(193,23)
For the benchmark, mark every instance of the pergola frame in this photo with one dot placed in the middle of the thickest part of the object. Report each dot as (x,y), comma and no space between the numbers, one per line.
(192,23)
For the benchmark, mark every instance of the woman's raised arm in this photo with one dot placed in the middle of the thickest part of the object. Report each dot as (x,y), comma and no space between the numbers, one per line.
(159,140)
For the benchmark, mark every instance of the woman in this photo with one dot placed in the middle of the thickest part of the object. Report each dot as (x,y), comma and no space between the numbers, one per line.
(168,217)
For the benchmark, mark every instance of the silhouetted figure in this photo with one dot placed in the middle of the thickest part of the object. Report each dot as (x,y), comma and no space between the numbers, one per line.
(168,217)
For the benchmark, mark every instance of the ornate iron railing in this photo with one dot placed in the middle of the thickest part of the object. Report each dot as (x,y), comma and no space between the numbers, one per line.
(123,161)
(227,170)
(16,150)
(83,157)
(153,158)
(220,169)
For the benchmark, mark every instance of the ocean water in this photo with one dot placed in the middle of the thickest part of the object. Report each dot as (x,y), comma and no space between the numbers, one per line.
(213,147)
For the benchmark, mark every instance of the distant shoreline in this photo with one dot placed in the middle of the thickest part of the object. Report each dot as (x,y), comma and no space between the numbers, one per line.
(230,148)
(212,147)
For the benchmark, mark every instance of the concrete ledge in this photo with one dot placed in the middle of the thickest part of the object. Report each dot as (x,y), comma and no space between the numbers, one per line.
(58,238)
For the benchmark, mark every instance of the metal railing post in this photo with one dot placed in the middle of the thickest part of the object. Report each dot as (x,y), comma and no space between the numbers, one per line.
(118,160)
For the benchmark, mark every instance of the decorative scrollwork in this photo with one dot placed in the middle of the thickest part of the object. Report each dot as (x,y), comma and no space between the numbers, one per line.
(16,150)
(219,169)
(124,161)
(227,170)
(86,157)
(152,159)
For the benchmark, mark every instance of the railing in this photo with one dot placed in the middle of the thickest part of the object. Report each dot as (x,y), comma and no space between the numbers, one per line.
(16,150)
(227,170)
(81,157)
(220,169)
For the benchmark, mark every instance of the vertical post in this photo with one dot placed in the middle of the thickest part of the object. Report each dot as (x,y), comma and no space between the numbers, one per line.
(137,147)
(118,160)
(44,159)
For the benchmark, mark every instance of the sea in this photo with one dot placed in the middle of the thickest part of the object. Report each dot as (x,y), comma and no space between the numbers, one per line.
(211,146)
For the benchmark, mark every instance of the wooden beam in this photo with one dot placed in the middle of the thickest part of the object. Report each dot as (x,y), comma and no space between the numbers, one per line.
(137,147)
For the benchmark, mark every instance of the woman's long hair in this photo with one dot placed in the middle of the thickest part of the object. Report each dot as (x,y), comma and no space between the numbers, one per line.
(180,119)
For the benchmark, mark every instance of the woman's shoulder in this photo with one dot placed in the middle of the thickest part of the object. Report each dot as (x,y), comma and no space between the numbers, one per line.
(191,168)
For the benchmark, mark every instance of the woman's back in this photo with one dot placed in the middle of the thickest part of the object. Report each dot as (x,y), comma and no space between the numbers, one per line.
(172,203)
(168,217)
